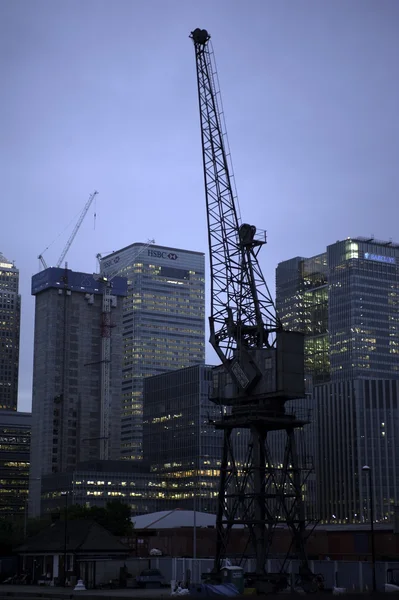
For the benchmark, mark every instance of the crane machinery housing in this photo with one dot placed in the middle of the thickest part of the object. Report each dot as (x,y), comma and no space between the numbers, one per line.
(262,366)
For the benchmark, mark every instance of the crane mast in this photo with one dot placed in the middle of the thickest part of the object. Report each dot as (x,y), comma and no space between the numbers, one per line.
(262,366)
(242,310)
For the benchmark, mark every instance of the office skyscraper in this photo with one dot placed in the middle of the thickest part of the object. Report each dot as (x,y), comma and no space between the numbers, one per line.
(357,425)
(10,317)
(15,429)
(163,325)
(180,443)
(346,301)
(67,372)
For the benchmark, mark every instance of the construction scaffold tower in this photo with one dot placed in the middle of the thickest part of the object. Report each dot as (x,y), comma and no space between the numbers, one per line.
(262,366)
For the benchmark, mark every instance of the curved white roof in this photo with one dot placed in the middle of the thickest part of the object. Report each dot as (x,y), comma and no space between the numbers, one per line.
(170,519)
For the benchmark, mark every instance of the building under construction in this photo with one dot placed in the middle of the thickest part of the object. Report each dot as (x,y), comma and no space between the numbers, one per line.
(66,412)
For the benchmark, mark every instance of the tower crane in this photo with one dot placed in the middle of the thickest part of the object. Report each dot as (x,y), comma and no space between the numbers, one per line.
(73,234)
(262,366)
(109,269)
(76,228)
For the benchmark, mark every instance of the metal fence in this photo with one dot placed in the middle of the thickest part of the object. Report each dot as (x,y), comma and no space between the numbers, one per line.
(354,576)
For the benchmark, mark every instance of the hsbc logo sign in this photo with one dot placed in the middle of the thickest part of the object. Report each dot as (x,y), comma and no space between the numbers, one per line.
(162,254)
(112,261)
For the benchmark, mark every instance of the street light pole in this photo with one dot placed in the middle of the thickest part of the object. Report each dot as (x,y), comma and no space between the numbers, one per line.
(26,518)
(65,537)
(367,470)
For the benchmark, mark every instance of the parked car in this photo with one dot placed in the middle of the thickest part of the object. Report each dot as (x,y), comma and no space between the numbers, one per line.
(150,578)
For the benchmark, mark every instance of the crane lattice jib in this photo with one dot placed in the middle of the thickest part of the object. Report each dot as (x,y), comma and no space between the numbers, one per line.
(76,228)
(242,310)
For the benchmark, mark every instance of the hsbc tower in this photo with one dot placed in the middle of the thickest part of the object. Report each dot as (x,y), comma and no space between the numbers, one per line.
(163,324)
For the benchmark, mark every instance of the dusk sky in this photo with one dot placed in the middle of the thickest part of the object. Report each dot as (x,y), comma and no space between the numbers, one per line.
(101,95)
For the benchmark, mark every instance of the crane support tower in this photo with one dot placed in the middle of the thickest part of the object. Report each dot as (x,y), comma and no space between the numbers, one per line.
(262,366)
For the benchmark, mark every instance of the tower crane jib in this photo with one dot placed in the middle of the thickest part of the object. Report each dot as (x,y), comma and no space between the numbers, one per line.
(76,228)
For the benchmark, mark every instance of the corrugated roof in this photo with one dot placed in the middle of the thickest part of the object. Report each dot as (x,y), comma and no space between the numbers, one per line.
(170,519)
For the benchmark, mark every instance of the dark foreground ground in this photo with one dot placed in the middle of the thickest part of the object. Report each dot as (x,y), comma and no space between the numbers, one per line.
(31,592)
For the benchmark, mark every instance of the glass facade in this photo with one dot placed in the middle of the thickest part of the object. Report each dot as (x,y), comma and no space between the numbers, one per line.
(95,483)
(315,310)
(10,317)
(358,424)
(163,325)
(15,428)
(364,309)
(302,305)
(346,301)
(180,442)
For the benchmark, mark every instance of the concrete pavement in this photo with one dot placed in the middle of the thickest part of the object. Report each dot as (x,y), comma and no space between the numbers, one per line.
(34,592)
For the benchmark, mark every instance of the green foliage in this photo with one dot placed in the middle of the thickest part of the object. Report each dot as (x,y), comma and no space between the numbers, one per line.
(7,536)
(118,518)
(35,525)
(115,516)
(12,531)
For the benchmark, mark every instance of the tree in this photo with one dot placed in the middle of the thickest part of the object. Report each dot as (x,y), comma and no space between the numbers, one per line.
(118,518)
(115,516)
(7,536)
(36,524)
(13,532)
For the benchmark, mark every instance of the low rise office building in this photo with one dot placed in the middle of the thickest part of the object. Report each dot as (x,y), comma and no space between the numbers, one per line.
(94,483)
(180,441)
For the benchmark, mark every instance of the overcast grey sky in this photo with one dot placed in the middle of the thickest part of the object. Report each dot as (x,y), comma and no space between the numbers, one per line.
(102,95)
